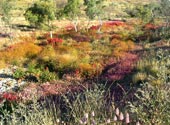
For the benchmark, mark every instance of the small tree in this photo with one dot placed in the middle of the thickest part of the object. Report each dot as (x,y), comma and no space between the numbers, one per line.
(165,9)
(143,12)
(93,9)
(71,11)
(165,14)
(5,9)
(41,14)
(5,12)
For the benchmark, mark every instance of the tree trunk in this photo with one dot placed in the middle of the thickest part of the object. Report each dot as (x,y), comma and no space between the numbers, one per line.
(75,23)
(50,26)
(101,23)
(88,23)
(51,34)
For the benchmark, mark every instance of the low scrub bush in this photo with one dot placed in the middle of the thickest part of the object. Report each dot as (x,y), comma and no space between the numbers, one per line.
(121,47)
(61,59)
(46,76)
(89,70)
(152,105)
(34,114)
(154,70)
(90,107)
(54,41)
(48,53)
(139,77)
(2,64)
(83,46)
(87,107)
(19,52)
(19,74)
(35,74)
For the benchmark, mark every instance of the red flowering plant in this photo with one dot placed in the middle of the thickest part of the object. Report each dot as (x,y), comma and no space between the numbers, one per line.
(92,31)
(47,35)
(94,27)
(11,97)
(114,23)
(8,101)
(54,41)
(150,26)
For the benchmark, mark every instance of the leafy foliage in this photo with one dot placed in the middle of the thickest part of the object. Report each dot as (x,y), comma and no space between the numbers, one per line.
(164,11)
(5,10)
(19,74)
(46,76)
(72,9)
(92,100)
(144,12)
(93,8)
(152,104)
(165,8)
(35,74)
(155,70)
(40,13)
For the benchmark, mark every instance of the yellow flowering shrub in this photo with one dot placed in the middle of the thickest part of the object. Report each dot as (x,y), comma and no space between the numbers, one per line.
(19,51)
(2,64)
(121,47)
(48,53)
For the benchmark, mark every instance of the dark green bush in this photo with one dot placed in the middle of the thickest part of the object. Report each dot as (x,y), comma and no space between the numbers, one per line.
(40,14)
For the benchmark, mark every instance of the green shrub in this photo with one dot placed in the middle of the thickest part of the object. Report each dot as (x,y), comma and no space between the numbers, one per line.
(40,13)
(19,73)
(152,105)
(165,13)
(6,7)
(32,69)
(32,114)
(46,76)
(143,12)
(84,104)
(139,77)
(35,74)
(154,69)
